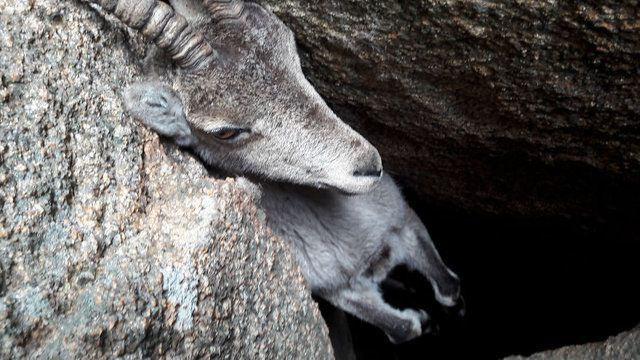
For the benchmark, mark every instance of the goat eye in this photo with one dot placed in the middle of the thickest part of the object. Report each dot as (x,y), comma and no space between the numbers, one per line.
(227,134)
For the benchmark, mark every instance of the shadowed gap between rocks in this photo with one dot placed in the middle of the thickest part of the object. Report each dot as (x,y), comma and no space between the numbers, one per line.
(530,284)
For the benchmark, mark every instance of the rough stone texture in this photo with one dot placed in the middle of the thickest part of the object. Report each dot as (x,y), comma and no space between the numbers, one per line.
(625,346)
(111,243)
(501,107)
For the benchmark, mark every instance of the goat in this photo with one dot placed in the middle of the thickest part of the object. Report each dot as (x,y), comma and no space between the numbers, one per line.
(240,100)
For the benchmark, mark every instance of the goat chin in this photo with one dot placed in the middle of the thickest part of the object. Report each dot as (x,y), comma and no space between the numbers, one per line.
(350,186)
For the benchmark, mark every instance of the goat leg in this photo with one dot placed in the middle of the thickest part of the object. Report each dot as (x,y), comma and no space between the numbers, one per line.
(423,257)
(364,301)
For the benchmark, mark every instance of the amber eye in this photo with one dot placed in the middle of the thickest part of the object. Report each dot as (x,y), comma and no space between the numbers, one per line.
(227,133)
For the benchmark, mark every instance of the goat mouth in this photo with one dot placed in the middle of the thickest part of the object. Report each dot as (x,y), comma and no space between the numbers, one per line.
(341,189)
(326,186)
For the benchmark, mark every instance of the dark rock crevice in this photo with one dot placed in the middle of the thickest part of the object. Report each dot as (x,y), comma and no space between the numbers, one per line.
(530,285)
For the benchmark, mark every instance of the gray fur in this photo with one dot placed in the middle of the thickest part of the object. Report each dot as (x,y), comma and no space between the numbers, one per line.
(346,246)
(320,180)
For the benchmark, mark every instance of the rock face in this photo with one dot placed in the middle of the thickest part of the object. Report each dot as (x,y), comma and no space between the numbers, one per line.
(625,346)
(111,243)
(509,107)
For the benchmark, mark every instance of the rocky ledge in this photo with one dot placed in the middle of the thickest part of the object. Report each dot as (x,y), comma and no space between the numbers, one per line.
(625,346)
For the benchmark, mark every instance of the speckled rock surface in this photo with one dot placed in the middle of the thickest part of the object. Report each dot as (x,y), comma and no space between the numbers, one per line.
(113,244)
(496,107)
(625,346)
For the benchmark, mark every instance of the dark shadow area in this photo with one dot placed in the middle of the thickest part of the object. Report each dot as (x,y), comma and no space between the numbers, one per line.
(529,285)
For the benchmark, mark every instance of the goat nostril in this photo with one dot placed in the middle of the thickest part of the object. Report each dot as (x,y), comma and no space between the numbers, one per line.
(367,165)
(368,172)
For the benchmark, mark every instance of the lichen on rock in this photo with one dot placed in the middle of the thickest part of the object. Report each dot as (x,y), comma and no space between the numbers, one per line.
(112,242)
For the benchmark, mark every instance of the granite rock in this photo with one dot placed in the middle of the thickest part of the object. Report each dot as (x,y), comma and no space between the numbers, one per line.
(512,108)
(112,242)
(625,346)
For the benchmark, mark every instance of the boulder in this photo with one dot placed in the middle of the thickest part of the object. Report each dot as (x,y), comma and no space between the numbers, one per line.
(625,346)
(113,243)
(514,108)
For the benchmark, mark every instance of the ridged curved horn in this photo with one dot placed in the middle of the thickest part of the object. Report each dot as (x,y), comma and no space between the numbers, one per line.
(225,9)
(168,29)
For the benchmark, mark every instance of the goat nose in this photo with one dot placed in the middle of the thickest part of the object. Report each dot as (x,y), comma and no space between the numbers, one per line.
(370,166)
(368,172)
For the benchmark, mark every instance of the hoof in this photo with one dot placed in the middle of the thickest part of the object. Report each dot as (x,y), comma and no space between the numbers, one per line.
(416,323)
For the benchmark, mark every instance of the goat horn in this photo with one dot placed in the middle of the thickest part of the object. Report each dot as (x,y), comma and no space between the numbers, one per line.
(225,9)
(168,29)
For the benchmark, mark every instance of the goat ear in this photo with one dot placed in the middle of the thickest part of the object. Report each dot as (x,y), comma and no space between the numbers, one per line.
(160,108)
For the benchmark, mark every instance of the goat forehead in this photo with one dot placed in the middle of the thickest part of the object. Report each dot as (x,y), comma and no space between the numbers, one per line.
(250,70)
(257,75)
(247,96)
(257,31)
(250,91)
